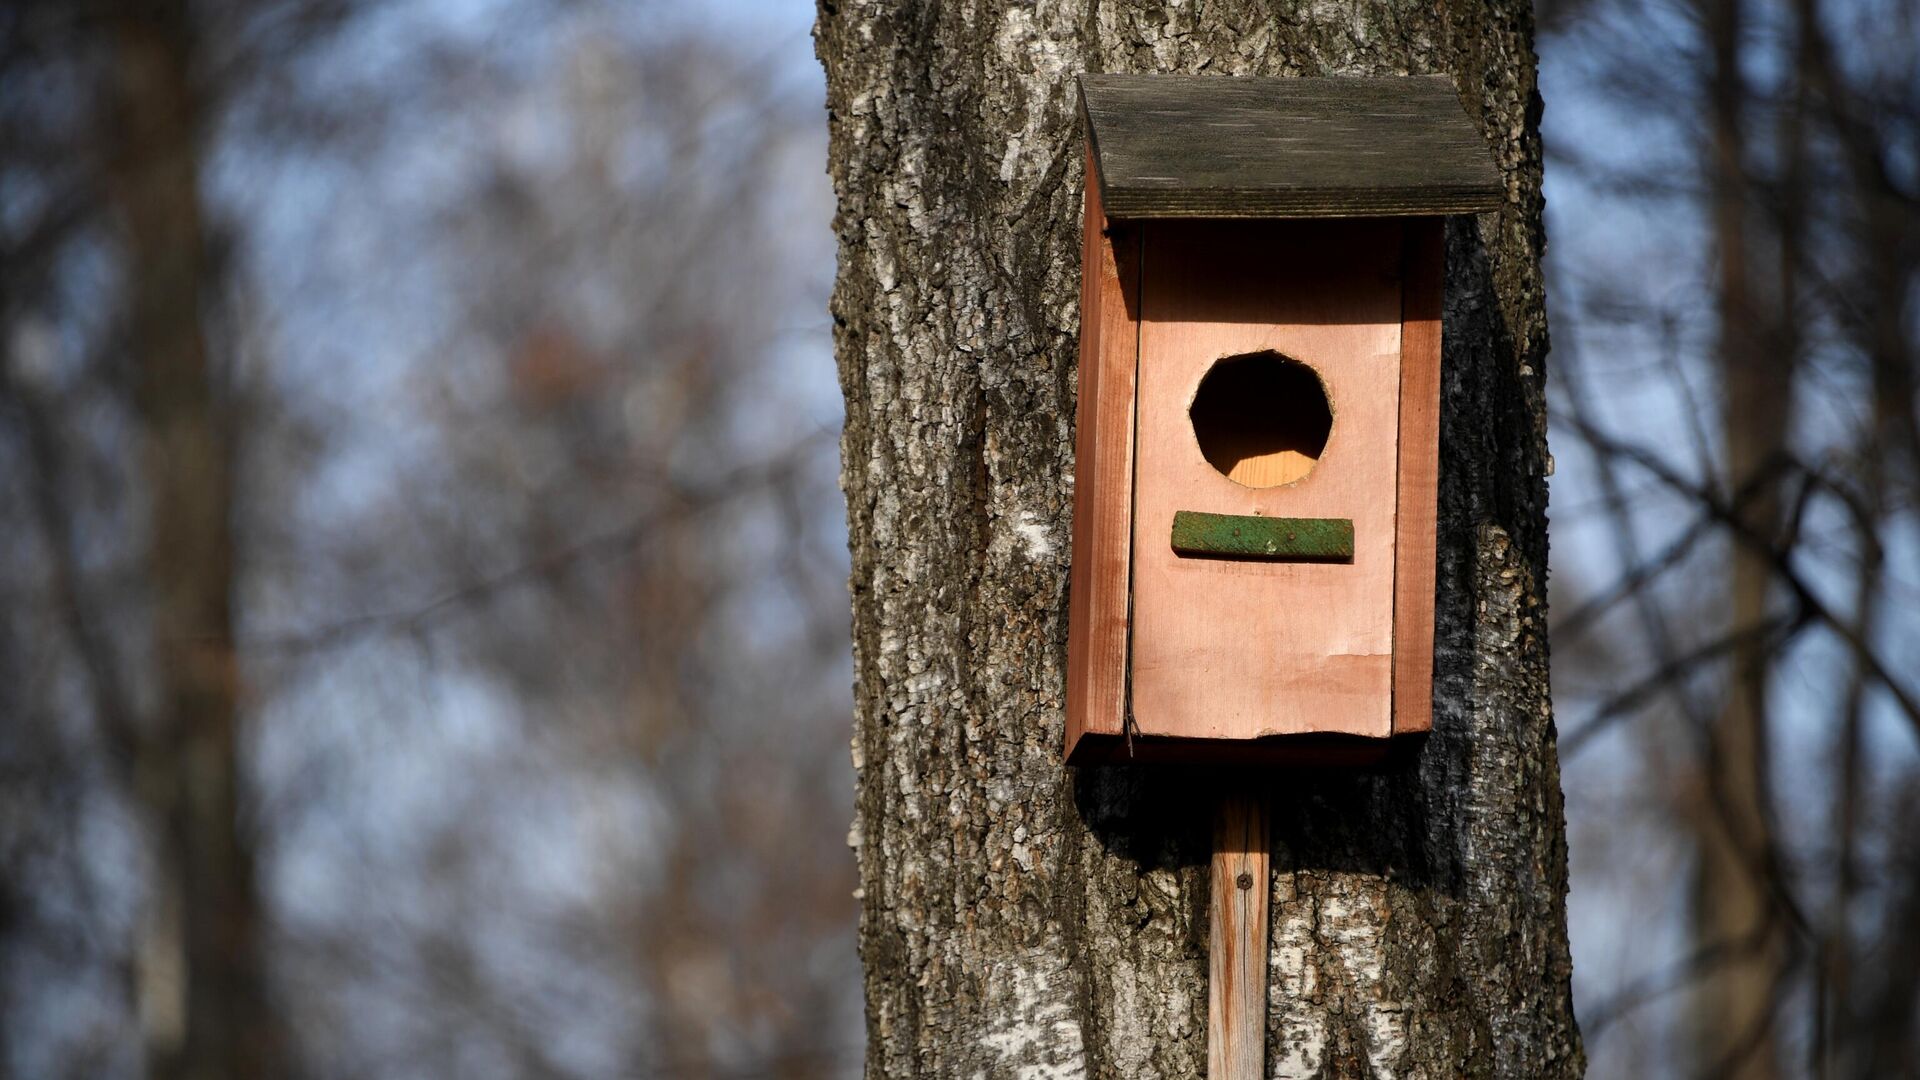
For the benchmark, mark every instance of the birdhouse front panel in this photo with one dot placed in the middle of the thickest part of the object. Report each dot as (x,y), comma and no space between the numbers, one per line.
(1268,406)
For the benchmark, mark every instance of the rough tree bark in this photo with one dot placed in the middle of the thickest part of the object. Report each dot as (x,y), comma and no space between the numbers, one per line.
(1024,919)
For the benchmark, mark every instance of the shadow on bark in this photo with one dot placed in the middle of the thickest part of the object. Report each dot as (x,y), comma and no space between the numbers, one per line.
(1399,819)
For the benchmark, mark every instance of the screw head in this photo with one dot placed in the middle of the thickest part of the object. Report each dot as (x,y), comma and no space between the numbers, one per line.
(1245,881)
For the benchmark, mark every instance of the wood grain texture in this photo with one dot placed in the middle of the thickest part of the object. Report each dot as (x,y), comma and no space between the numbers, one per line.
(1235,649)
(1214,147)
(1423,276)
(1097,597)
(1271,469)
(1237,940)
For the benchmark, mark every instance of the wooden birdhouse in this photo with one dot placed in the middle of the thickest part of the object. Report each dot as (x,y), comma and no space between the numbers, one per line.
(1259,413)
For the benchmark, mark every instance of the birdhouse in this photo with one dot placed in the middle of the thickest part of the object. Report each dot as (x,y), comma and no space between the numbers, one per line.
(1259,413)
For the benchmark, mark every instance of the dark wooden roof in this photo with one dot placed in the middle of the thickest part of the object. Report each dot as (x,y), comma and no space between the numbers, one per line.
(1198,146)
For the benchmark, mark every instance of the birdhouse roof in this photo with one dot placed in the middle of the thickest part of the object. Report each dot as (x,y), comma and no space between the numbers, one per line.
(1209,146)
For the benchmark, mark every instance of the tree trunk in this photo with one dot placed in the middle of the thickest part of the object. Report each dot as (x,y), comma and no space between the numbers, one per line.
(1730,1009)
(1025,919)
(201,990)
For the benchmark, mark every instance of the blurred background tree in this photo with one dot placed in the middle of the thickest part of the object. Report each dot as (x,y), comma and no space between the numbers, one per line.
(1736,195)
(424,648)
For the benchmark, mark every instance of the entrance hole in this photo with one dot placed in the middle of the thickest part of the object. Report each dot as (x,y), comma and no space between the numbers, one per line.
(1262,419)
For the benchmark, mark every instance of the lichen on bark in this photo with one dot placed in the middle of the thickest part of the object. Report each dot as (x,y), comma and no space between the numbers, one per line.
(1023,919)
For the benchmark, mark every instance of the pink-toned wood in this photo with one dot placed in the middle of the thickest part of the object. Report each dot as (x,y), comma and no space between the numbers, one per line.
(1241,649)
(1103,478)
(1271,469)
(1423,273)
(1237,941)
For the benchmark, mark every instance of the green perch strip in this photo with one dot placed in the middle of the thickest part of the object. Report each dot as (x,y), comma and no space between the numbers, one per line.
(1247,537)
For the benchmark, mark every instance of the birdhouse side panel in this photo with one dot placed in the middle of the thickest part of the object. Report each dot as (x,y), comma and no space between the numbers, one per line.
(1423,274)
(1103,476)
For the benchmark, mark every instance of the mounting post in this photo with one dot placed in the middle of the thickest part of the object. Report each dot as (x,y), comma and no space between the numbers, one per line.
(1237,942)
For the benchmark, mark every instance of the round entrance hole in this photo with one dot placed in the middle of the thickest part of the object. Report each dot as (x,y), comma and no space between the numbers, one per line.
(1261,419)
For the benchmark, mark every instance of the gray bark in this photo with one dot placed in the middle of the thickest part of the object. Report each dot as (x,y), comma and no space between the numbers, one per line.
(1025,919)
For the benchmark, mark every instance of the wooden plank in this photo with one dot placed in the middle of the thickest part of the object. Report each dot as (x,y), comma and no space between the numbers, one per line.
(1423,276)
(1288,751)
(1103,478)
(1245,537)
(1236,649)
(1237,940)
(1271,469)
(1196,146)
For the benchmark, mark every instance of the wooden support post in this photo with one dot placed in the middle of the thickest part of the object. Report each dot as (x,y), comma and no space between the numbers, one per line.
(1237,946)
